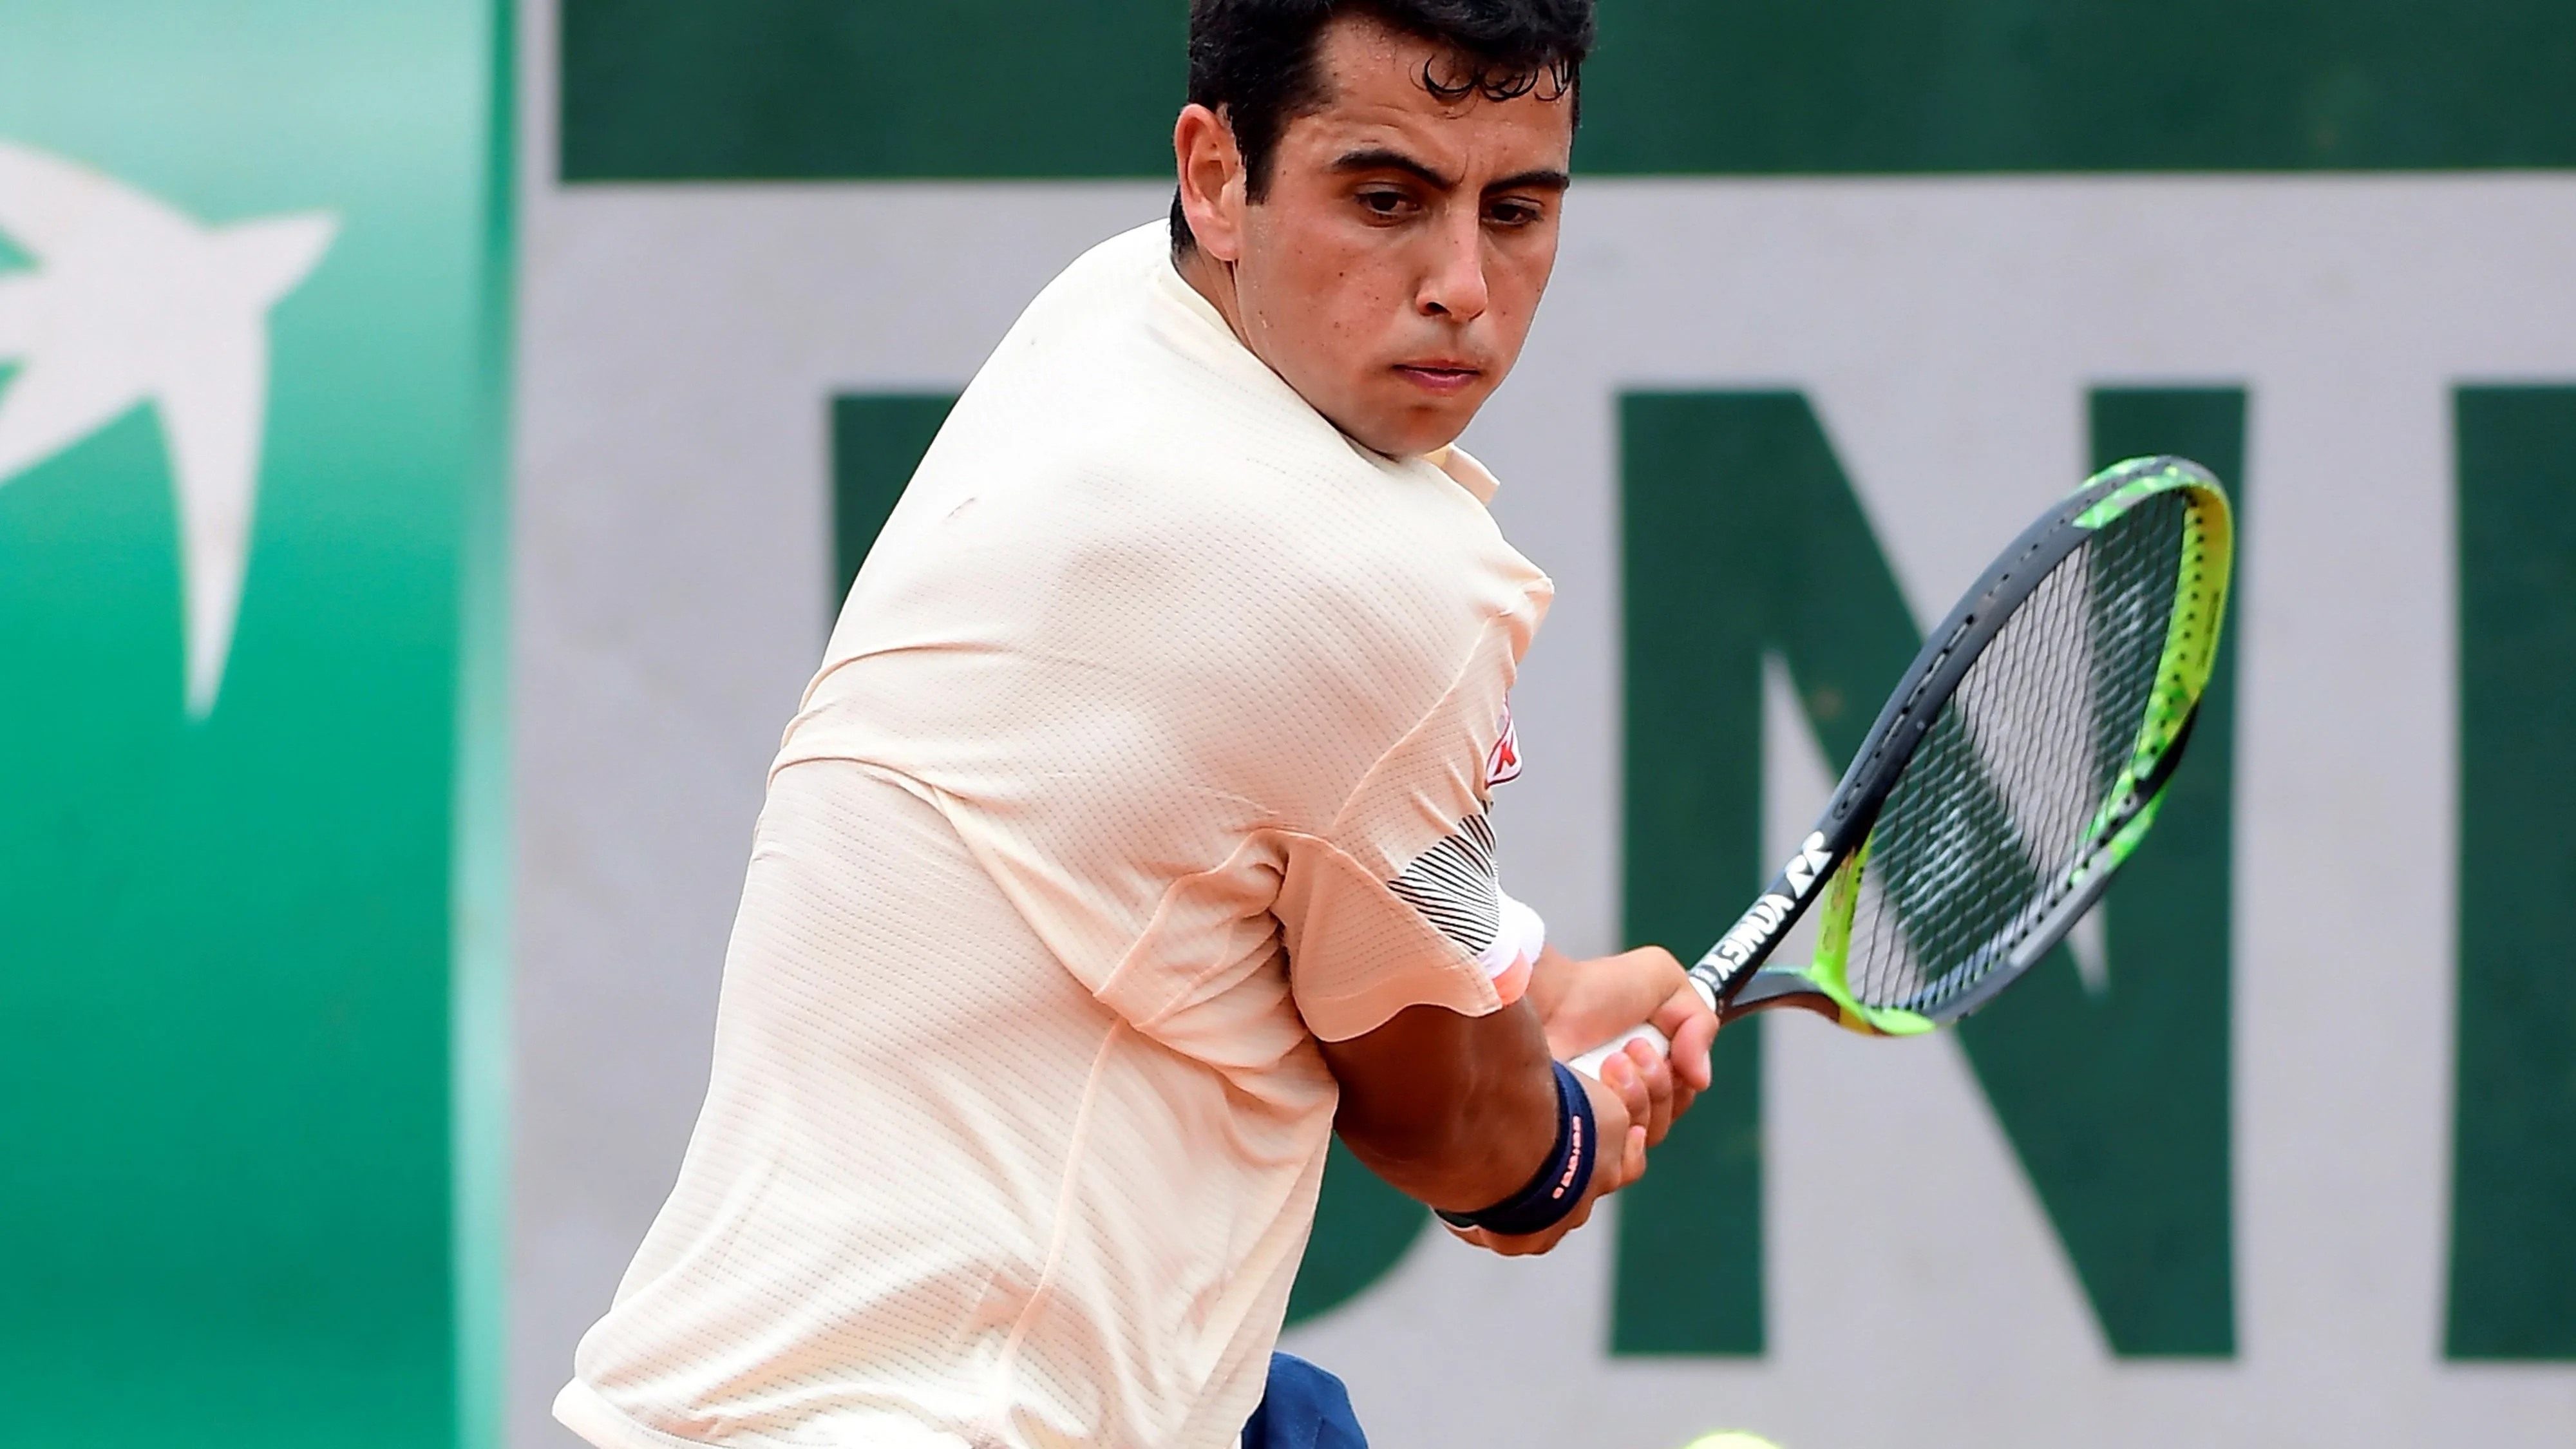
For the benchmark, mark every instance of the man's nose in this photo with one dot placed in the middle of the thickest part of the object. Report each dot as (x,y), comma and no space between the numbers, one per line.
(1454,287)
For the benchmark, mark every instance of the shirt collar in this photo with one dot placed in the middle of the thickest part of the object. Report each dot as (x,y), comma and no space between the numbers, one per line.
(1464,471)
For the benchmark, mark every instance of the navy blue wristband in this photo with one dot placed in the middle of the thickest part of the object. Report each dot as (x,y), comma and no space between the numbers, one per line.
(1560,1182)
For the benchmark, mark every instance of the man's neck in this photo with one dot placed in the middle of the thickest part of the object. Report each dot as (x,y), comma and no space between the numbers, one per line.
(1214,280)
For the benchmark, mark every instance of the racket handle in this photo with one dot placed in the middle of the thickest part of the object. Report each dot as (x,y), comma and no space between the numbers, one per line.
(1589,1064)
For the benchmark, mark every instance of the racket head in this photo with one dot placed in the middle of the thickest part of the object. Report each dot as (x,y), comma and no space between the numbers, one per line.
(2019,761)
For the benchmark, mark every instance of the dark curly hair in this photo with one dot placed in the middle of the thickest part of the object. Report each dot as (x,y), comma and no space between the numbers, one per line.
(1253,62)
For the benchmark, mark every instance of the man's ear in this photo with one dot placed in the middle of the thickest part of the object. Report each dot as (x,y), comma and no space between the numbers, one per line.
(1212,181)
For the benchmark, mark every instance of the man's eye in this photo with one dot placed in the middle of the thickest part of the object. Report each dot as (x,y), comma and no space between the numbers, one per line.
(1384,202)
(1514,213)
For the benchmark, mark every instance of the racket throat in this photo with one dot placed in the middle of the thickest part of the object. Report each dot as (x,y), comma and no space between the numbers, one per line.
(1777,987)
(1774,989)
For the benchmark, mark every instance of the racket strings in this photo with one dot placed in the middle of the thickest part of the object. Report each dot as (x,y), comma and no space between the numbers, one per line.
(2001,804)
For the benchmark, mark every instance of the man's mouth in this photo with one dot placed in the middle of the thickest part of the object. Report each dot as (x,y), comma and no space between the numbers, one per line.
(1440,377)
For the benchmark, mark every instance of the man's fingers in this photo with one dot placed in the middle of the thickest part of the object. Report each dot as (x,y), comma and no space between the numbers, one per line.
(1657,1073)
(1656,973)
(1631,1086)
(1691,1048)
(1683,1093)
(1692,1027)
(1618,1103)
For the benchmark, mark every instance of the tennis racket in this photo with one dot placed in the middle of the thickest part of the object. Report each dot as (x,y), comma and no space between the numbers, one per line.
(2019,762)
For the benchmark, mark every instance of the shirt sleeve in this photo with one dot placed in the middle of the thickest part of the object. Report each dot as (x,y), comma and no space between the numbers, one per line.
(1400,902)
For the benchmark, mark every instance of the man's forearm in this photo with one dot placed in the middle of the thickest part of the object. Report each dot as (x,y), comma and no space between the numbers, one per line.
(1457,1112)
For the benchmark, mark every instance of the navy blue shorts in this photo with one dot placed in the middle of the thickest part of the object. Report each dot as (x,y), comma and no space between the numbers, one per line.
(1304,1408)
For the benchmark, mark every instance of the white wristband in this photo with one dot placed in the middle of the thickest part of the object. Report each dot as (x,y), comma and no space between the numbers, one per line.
(1521,937)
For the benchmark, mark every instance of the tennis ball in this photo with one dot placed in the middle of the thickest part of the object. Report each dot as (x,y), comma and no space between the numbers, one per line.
(1730,1439)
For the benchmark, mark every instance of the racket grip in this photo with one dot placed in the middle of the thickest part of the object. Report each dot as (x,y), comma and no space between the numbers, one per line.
(1589,1064)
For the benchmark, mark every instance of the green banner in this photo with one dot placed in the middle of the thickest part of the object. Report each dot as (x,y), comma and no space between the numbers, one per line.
(249,436)
(671,90)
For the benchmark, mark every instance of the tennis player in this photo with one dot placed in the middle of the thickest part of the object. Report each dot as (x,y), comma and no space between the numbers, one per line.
(1132,838)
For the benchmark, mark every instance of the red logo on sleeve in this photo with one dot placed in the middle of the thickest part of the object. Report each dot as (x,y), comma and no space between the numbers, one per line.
(1503,761)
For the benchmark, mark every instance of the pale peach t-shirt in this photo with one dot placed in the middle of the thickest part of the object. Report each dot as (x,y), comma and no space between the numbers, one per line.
(1153,689)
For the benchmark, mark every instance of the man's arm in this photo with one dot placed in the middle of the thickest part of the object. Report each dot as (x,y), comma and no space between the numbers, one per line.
(1461,1112)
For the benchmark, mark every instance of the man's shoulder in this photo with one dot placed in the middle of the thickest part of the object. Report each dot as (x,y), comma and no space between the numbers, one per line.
(1114,275)
(1121,432)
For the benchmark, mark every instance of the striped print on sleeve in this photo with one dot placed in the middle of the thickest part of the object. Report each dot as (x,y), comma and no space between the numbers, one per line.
(1457,886)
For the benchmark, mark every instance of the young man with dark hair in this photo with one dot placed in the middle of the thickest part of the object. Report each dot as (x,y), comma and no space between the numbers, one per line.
(1132,838)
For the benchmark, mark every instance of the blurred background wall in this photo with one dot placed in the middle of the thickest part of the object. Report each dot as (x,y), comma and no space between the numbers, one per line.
(2279,1154)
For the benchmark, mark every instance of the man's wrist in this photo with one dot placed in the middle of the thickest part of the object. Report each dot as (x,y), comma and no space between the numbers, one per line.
(1552,975)
(1561,1181)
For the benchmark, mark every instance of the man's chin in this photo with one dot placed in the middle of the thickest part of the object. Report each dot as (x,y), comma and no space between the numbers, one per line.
(1411,431)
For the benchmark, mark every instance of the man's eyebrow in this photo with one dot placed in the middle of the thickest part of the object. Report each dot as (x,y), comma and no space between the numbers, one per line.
(1382,158)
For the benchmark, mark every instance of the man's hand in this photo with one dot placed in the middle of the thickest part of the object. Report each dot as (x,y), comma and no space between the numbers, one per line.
(1582,1004)
(1619,1115)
